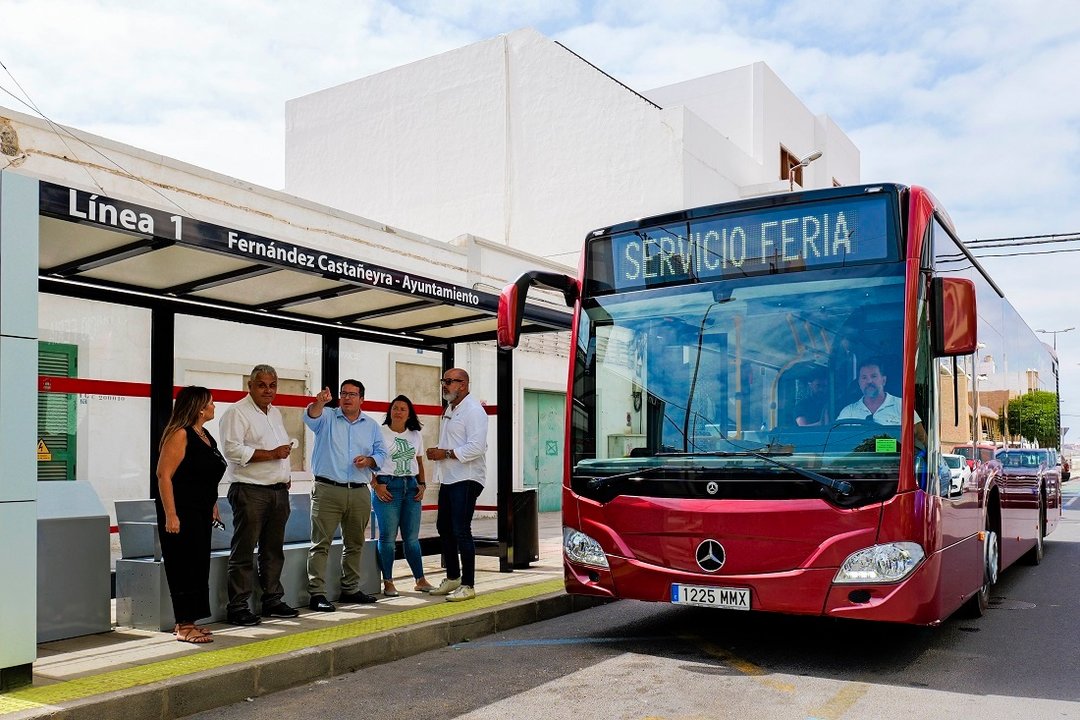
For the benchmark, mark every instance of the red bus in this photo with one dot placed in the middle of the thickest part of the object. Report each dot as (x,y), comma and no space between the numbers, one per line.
(760,393)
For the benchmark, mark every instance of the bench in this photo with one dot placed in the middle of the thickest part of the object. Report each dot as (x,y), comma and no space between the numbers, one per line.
(142,591)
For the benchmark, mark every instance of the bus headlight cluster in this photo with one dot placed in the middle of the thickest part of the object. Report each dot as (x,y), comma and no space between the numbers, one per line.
(581,548)
(880,563)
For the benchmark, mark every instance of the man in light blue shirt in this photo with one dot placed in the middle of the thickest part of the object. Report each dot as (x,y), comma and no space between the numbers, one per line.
(348,450)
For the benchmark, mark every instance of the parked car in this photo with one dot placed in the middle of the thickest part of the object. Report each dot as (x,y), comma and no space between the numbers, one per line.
(1032,462)
(975,453)
(959,470)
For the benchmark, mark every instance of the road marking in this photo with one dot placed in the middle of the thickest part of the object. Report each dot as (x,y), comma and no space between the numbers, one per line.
(727,657)
(840,703)
(112,681)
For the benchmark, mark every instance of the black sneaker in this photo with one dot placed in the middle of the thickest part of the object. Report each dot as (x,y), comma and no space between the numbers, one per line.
(357,597)
(279,610)
(242,617)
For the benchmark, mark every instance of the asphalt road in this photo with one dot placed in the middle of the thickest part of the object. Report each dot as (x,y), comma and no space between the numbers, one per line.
(637,660)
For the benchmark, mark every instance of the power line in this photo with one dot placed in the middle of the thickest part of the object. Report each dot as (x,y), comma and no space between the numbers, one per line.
(61,131)
(1021,242)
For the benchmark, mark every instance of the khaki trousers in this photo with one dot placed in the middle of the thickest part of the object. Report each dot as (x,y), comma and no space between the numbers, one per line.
(332,506)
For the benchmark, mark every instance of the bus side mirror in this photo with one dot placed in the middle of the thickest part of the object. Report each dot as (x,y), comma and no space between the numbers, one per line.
(954,329)
(512,302)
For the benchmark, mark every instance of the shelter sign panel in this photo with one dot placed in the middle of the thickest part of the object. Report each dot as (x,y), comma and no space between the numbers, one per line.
(78,206)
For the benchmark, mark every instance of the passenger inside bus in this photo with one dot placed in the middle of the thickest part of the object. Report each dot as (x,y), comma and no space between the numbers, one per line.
(811,408)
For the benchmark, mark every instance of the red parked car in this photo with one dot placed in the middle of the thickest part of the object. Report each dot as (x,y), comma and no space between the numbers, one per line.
(980,453)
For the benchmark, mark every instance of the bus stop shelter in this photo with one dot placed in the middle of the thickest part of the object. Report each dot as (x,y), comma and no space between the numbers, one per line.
(70,242)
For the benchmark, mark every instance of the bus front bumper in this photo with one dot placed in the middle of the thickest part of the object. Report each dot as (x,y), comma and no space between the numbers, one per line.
(805,591)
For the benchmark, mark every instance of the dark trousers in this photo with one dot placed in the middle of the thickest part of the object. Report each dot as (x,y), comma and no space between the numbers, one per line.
(187,557)
(457,501)
(259,517)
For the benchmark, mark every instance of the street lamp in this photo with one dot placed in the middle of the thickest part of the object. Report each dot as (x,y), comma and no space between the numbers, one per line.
(802,163)
(1055,334)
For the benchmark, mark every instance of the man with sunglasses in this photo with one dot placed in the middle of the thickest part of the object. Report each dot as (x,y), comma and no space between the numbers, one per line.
(460,457)
(348,451)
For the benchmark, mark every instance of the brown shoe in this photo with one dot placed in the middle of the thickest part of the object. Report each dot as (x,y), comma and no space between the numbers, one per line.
(192,634)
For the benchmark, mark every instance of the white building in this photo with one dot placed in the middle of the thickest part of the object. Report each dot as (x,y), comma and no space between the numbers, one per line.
(520,141)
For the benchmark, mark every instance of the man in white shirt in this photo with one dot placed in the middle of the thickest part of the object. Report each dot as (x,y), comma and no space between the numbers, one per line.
(462,465)
(257,446)
(875,405)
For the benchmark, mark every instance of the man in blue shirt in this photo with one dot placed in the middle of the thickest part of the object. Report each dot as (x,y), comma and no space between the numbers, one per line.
(348,450)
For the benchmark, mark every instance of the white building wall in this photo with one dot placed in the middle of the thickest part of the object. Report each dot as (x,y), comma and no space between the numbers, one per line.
(112,436)
(514,139)
(518,140)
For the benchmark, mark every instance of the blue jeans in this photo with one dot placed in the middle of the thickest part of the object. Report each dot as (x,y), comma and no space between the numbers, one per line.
(457,501)
(403,511)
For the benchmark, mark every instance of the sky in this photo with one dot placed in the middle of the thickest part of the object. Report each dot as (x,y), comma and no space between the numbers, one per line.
(978,101)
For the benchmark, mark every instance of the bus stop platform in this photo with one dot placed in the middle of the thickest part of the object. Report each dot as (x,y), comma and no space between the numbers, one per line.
(145,674)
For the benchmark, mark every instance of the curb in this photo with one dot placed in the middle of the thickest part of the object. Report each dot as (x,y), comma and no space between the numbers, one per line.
(203,690)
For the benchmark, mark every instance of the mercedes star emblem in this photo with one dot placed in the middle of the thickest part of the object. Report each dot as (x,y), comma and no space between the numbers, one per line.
(710,556)
(711,488)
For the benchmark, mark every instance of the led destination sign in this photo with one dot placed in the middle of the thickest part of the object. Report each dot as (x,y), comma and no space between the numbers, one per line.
(802,237)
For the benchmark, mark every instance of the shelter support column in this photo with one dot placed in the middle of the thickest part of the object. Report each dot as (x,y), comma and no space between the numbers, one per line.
(331,349)
(18,418)
(162,381)
(504,393)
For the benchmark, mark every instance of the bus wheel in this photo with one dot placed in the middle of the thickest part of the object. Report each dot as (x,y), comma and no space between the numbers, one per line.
(1034,556)
(980,602)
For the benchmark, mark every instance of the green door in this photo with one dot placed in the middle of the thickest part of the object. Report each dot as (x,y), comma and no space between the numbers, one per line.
(544,431)
(56,414)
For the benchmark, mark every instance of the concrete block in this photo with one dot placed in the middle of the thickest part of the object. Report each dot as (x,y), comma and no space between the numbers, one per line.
(146,703)
(351,655)
(469,627)
(421,638)
(208,690)
(515,615)
(296,668)
(553,606)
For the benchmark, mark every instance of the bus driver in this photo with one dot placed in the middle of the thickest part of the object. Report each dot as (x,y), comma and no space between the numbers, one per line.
(875,405)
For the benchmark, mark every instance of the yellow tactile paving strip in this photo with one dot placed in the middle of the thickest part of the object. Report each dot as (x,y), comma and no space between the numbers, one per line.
(112,681)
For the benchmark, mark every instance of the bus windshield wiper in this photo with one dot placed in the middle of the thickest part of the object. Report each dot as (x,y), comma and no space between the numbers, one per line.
(840,486)
(598,482)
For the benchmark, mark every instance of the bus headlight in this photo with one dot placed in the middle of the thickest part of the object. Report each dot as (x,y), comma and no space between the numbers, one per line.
(886,563)
(581,548)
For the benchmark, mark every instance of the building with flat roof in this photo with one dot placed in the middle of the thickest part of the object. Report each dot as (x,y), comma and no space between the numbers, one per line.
(521,141)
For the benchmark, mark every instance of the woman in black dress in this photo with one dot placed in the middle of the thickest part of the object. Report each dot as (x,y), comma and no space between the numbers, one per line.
(188,471)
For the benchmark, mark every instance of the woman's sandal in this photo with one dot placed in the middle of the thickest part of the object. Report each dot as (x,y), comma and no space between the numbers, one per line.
(192,634)
(388,589)
(201,628)
(425,588)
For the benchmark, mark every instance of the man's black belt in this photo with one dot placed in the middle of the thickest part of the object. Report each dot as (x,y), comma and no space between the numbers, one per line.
(328,481)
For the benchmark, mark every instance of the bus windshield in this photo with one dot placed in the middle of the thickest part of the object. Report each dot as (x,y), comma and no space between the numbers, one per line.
(712,380)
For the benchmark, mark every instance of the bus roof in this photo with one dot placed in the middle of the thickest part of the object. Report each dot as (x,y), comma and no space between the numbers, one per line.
(755,203)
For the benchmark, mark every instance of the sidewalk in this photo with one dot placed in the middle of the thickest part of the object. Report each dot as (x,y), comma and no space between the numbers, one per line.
(136,674)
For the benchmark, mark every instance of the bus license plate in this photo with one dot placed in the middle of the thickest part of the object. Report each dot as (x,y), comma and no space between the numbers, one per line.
(705,596)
